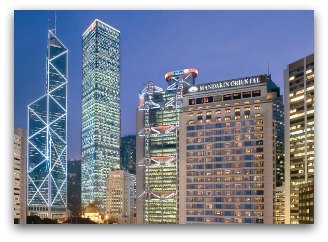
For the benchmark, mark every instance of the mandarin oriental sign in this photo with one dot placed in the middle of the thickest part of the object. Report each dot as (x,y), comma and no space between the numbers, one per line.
(247,81)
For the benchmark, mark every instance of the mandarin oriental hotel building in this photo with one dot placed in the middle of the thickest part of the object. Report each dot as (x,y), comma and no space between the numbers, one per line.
(227,152)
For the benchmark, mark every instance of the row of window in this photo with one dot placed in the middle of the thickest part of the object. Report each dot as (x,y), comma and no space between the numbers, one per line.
(227,165)
(225,220)
(225,97)
(225,186)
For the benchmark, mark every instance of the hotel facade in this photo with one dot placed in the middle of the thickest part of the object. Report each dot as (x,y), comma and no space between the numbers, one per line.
(227,152)
(101,115)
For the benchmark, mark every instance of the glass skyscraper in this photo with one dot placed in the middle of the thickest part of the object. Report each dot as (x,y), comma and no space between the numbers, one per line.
(47,138)
(101,127)
(157,127)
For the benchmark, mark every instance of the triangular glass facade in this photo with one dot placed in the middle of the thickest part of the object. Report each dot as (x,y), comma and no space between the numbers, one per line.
(47,139)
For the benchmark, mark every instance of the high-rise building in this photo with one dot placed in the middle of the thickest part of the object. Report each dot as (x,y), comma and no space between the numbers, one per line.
(19,176)
(100,110)
(128,153)
(120,197)
(227,152)
(74,187)
(279,204)
(47,138)
(157,127)
(299,133)
(306,203)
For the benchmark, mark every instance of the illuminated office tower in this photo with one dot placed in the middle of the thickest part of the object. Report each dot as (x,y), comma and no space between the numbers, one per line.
(47,139)
(299,135)
(19,176)
(227,152)
(101,116)
(157,127)
(120,197)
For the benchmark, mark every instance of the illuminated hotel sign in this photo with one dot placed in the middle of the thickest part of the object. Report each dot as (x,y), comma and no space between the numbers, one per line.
(247,81)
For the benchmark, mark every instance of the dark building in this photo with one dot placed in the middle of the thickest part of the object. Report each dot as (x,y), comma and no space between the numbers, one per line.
(74,187)
(128,154)
(278,117)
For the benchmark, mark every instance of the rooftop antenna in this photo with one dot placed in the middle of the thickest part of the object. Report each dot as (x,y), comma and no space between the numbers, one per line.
(55,22)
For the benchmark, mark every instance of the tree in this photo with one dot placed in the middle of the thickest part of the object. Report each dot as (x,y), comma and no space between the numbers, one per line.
(34,219)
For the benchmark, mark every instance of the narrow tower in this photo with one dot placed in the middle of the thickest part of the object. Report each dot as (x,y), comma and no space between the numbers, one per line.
(101,119)
(47,138)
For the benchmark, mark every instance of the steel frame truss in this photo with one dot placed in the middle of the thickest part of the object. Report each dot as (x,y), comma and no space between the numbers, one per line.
(49,140)
(147,103)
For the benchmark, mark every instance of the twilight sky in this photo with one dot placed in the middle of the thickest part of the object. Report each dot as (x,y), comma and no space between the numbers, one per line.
(221,45)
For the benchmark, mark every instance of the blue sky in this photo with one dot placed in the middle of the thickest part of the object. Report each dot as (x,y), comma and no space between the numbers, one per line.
(219,44)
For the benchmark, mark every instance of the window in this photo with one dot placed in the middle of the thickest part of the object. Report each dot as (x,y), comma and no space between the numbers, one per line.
(257,108)
(237,95)
(246,94)
(227,97)
(192,102)
(227,118)
(256,93)
(218,119)
(218,112)
(227,111)
(200,100)
(208,99)
(208,113)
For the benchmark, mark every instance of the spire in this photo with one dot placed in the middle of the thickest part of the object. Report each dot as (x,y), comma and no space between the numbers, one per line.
(52,21)
(55,22)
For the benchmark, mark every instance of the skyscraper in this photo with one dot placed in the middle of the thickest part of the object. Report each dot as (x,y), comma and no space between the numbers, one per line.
(128,153)
(227,149)
(19,176)
(47,138)
(299,137)
(101,126)
(157,150)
